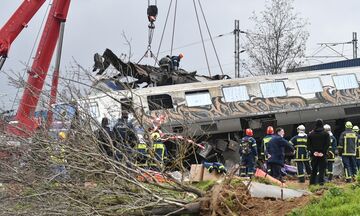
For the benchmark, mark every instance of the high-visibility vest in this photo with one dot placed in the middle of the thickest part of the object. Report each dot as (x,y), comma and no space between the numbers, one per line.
(142,154)
(159,150)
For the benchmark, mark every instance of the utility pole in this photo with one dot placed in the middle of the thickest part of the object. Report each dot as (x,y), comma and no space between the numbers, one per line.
(354,42)
(237,49)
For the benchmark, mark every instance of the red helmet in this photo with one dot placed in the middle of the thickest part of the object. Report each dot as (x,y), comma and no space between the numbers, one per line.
(269,130)
(249,132)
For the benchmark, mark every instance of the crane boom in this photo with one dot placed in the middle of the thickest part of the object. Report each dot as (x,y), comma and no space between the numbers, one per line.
(16,24)
(24,120)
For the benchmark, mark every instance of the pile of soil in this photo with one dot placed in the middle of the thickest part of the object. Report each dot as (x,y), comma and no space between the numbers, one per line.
(231,198)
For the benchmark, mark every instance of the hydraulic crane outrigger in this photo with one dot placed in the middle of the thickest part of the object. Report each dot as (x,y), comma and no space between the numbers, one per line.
(24,123)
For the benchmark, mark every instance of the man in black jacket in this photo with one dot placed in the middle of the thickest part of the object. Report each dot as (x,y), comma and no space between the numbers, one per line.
(318,142)
(276,153)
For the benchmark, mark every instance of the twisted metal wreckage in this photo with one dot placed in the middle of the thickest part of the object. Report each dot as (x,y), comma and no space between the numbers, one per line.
(153,76)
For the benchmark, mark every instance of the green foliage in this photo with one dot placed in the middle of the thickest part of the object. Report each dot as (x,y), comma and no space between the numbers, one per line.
(336,201)
(205,185)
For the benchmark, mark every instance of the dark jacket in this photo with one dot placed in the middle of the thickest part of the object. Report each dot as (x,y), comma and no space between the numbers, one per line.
(299,143)
(105,136)
(276,149)
(248,147)
(348,143)
(318,141)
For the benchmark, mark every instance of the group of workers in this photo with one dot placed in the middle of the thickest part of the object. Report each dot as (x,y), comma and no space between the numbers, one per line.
(314,154)
(121,142)
(170,63)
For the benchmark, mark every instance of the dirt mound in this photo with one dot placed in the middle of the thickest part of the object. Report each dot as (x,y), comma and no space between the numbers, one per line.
(233,198)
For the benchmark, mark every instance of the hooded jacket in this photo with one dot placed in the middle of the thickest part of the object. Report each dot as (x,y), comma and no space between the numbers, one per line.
(276,149)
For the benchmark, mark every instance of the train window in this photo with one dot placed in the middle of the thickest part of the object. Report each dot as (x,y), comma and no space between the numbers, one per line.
(159,102)
(199,98)
(273,89)
(235,93)
(94,109)
(347,81)
(311,85)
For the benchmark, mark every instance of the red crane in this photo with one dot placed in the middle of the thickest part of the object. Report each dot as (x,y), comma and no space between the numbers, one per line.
(24,123)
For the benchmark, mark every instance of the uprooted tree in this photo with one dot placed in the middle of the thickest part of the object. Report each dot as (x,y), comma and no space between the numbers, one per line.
(278,40)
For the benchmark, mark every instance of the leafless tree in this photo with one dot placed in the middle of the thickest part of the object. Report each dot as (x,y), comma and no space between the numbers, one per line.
(277,42)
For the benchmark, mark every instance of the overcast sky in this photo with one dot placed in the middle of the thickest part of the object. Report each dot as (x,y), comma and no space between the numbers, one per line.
(94,25)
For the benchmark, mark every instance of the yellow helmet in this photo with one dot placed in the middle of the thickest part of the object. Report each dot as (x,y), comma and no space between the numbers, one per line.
(155,136)
(355,128)
(62,135)
(348,124)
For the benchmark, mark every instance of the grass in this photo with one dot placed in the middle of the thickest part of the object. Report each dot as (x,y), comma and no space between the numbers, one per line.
(336,201)
(204,185)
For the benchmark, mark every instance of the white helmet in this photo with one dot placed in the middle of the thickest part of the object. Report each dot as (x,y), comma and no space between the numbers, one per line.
(301,128)
(327,127)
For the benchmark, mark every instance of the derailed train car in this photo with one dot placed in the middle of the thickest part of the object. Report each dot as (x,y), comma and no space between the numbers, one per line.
(218,111)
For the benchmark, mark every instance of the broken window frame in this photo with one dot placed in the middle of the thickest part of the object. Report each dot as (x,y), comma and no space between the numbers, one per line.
(344,84)
(309,88)
(94,110)
(153,106)
(229,93)
(265,87)
(194,98)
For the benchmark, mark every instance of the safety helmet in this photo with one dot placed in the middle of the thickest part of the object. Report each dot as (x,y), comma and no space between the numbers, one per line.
(62,135)
(269,130)
(355,128)
(155,136)
(249,132)
(327,128)
(181,55)
(301,128)
(348,124)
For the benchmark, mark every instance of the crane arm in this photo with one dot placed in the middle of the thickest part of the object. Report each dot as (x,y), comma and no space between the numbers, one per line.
(24,121)
(16,24)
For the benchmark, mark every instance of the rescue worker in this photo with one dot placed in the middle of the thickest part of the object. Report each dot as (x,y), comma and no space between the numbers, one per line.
(301,153)
(124,136)
(165,63)
(57,156)
(175,60)
(330,159)
(318,143)
(276,153)
(142,152)
(356,130)
(159,150)
(347,150)
(104,135)
(248,153)
(265,141)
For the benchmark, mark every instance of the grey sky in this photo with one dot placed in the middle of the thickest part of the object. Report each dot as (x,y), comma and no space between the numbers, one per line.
(94,25)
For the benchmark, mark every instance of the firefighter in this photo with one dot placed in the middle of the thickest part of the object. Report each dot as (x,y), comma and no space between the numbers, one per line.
(265,141)
(331,153)
(159,150)
(57,156)
(248,153)
(347,149)
(142,152)
(175,60)
(301,153)
(276,153)
(165,63)
(356,130)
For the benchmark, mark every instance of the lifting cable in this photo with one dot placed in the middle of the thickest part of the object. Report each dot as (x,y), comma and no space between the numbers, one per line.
(202,38)
(173,31)
(212,42)
(31,53)
(163,32)
(152,12)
